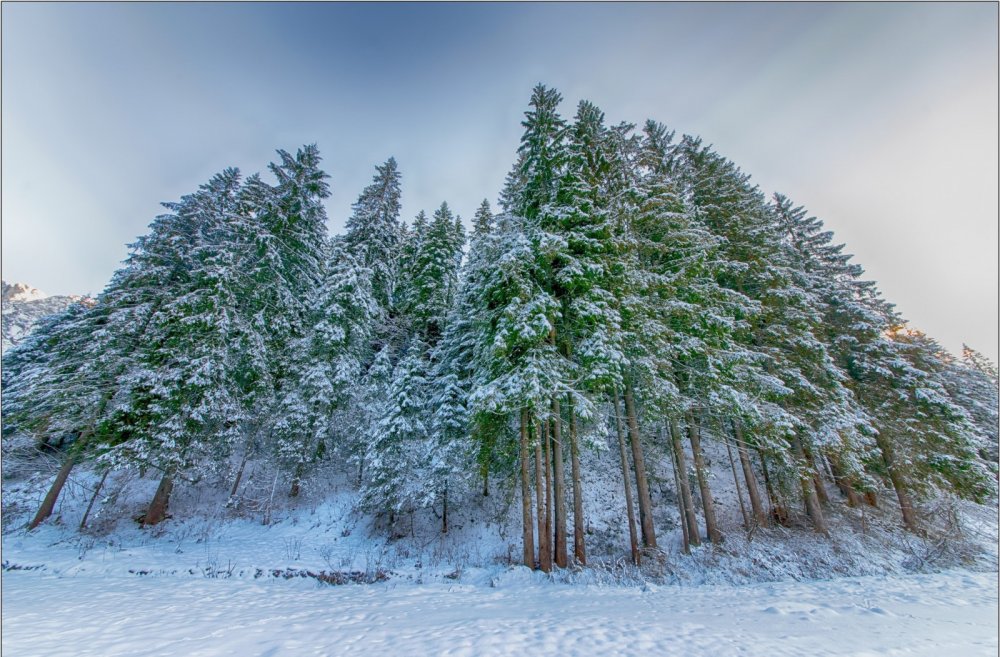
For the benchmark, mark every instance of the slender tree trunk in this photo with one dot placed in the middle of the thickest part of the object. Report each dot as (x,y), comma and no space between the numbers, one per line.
(527,528)
(558,485)
(579,540)
(808,492)
(547,456)
(686,534)
(642,483)
(544,552)
(694,534)
(239,475)
(748,476)
(157,511)
(93,498)
(778,512)
(444,510)
(629,508)
(708,503)
(49,503)
(905,504)
(739,490)
(486,480)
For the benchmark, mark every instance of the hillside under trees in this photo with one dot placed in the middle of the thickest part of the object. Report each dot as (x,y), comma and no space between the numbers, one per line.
(631,284)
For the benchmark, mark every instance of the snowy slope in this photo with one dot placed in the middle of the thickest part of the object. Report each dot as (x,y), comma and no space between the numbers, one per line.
(219,580)
(323,531)
(22,306)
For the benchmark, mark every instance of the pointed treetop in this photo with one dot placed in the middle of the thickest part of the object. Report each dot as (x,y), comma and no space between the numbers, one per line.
(482,221)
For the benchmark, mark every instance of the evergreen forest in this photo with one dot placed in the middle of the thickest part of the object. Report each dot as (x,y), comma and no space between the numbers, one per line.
(628,285)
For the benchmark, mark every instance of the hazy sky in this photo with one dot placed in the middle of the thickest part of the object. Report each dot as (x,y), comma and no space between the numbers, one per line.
(881,119)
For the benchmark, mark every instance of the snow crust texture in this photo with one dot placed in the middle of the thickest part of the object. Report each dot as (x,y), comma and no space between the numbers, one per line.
(927,615)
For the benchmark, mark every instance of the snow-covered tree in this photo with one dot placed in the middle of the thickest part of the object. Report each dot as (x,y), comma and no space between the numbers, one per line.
(374,233)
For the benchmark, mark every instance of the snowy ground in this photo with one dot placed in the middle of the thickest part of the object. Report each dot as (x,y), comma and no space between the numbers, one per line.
(218,580)
(932,615)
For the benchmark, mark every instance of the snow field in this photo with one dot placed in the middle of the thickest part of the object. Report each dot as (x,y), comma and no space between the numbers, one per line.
(927,615)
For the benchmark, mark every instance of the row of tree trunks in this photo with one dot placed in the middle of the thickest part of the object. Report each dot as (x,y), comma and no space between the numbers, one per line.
(687,502)
(629,507)
(642,483)
(707,501)
(549,477)
(812,482)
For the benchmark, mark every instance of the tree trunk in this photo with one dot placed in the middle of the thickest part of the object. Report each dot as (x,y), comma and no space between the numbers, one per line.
(93,498)
(808,492)
(739,491)
(49,503)
(239,475)
(157,511)
(444,510)
(694,534)
(544,551)
(559,478)
(708,503)
(896,477)
(527,524)
(629,508)
(642,483)
(579,542)
(486,480)
(547,456)
(748,476)
(686,534)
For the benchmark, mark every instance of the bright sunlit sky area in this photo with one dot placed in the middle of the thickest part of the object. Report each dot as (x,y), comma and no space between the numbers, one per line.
(881,119)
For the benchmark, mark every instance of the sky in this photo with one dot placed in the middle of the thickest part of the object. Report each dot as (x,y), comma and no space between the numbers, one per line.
(880,118)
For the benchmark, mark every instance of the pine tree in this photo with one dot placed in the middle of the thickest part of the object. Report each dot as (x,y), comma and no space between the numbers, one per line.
(972,384)
(328,362)
(399,452)
(187,378)
(374,232)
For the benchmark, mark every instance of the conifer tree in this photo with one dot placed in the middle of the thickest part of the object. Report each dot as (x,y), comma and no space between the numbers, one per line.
(374,233)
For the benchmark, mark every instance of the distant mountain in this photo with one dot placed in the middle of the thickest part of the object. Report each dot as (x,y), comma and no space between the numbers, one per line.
(22,306)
